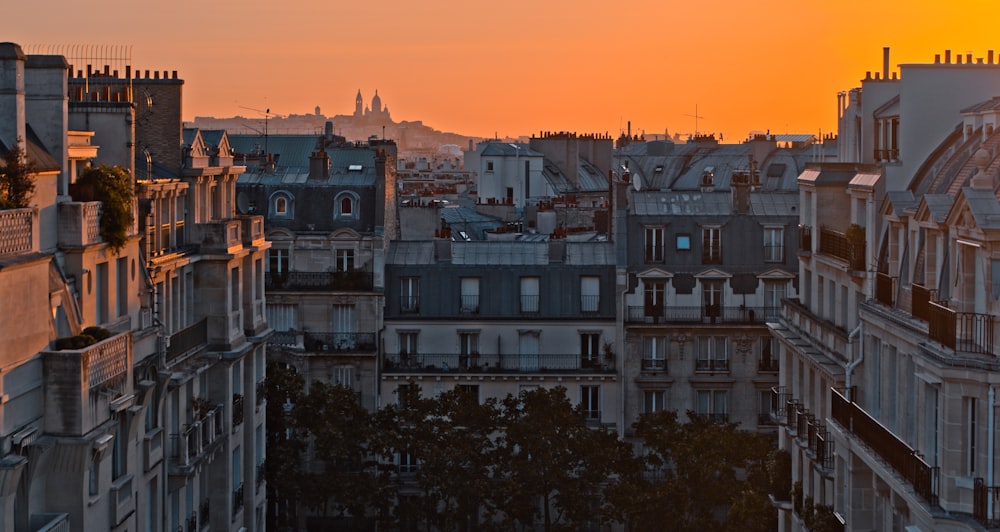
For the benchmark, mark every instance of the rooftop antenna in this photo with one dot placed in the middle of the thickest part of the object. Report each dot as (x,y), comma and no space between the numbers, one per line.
(267,113)
(696,117)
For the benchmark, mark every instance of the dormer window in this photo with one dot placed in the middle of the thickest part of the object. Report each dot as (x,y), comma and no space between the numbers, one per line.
(346,204)
(282,205)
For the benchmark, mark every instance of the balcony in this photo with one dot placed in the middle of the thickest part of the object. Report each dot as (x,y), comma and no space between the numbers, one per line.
(219,236)
(252,230)
(887,446)
(714,417)
(186,340)
(152,448)
(836,244)
(343,342)
(780,399)
(17,230)
(768,365)
(319,281)
(79,223)
(920,301)
(710,365)
(493,363)
(964,332)
(704,314)
(122,503)
(654,363)
(90,379)
(885,289)
(986,503)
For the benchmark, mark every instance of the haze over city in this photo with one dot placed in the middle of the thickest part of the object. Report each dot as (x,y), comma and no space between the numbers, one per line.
(520,67)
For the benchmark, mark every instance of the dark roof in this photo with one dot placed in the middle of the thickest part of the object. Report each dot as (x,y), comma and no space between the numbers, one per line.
(38,156)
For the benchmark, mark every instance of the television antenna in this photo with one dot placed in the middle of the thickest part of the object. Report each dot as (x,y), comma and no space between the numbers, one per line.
(696,116)
(267,113)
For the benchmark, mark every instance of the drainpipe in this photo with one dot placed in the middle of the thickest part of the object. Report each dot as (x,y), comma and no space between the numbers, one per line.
(849,368)
(990,424)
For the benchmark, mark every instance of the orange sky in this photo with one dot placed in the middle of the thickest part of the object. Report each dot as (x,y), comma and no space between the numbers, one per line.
(517,67)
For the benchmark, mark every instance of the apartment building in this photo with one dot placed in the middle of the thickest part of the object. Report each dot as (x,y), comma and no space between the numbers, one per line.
(495,318)
(886,396)
(146,428)
(329,212)
(709,241)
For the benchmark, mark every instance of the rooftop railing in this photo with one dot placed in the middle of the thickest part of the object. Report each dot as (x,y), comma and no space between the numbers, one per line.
(837,244)
(885,289)
(701,314)
(964,332)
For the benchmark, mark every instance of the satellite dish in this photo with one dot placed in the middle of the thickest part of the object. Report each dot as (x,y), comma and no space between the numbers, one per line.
(242,203)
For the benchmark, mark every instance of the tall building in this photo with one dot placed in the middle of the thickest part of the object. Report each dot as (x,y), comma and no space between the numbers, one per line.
(147,428)
(329,211)
(888,356)
(709,238)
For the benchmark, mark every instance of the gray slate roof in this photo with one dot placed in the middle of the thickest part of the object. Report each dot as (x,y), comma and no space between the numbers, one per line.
(984,207)
(711,203)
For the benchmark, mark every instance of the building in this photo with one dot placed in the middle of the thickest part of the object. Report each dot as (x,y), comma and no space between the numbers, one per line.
(495,318)
(888,356)
(329,212)
(146,428)
(709,237)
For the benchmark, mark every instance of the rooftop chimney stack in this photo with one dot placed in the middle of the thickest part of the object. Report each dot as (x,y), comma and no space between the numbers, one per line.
(885,62)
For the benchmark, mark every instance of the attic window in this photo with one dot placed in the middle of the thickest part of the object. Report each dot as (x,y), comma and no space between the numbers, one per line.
(355,168)
(776,170)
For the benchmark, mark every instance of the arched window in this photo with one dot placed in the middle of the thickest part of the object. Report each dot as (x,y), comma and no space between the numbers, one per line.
(346,205)
(282,205)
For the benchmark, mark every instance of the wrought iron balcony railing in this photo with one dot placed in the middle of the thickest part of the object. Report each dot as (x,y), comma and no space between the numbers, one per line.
(319,281)
(187,339)
(494,363)
(701,314)
(711,365)
(985,503)
(343,342)
(963,332)
(889,448)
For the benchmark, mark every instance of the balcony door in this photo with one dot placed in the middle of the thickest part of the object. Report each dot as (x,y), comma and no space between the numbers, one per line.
(343,327)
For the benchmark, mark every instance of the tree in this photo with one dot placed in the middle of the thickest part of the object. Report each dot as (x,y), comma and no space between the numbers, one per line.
(283,468)
(113,187)
(547,454)
(340,431)
(700,471)
(17,180)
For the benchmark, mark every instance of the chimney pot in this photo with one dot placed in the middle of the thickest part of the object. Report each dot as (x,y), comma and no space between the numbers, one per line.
(174,74)
(968,58)
(156,74)
(947,56)
(989,57)
(937,58)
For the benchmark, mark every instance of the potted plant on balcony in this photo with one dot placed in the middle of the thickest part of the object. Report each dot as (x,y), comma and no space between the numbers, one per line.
(86,338)
(17,179)
(855,235)
(113,188)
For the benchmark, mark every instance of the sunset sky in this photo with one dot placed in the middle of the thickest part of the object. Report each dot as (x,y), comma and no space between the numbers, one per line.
(517,67)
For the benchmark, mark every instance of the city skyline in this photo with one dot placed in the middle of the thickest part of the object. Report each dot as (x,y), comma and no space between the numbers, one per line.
(485,71)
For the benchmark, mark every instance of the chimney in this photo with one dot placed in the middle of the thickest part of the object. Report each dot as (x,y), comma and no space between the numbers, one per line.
(885,62)
(12,117)
(947,57)
(740,188)
(319,165)
(989,57)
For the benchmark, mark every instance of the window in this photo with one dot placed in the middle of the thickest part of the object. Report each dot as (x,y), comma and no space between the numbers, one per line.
(590,294)
(653,401)
(468,349)
(406,394)
(768,359)
(774,244)
(713,354)
(714,404)
(590,399)
(345,260)
(343,327)
(529,294)
(653,290)
(407,347)
(774,292)
(234,285)
(409,295)
(764,407)
(590,349)
(346,205)
(282,317)
(281,205)
(121,297)
(102,293)
(711,245)
(683,242)
(654,353)
(277,261)
(470,295)
(489,166)
(408,463)
(712,298)
(970,435)
(654,244)
(468,392)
